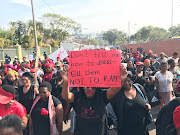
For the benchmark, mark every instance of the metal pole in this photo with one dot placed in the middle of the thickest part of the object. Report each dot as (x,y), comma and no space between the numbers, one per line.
(129,30)
(172,19)
(134,32)
(35,35)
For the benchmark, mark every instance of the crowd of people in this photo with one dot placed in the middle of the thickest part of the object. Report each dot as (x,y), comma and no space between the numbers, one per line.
(36,99)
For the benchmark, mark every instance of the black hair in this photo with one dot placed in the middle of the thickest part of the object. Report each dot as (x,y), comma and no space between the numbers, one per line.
(29,75)
(178,60)
(47,85)
(11,121)
(9,88)
(163,63)
(170,61)
(175,53)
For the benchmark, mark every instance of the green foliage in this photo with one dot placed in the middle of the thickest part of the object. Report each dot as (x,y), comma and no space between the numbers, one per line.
(176,30)
(93,42)
(114,36)
(2,42)
(151,34)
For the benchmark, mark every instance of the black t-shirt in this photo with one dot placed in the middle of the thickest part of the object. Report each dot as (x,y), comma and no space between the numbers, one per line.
(57,90)
(90,114)
(133,69)
(134,115)
(141,79)
(26,99)
(41,124)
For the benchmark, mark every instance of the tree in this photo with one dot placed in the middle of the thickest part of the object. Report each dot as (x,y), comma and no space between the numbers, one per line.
(93,42)
(114,36)
(176,30)
(151,34)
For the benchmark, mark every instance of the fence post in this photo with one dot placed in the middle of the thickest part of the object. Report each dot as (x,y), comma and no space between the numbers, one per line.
(19,51)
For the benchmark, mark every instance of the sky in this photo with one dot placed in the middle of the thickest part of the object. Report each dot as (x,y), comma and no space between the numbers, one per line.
(96,15)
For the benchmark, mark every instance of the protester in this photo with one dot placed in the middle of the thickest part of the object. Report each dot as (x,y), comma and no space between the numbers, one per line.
(131,109)
(149,55)
(11,125)
(36,80)
(45,55)
(25,61)
(49,72)
(12,79)
(155,63)
(130,66)
(89,105)
(176,119)
(58,66)
(46,115)
(141,77)
(2,65)
(7,59)
(162,58)
(174,70)
(22,70)
(175,57)
(9,106)
(27,92)
(164,84)
(57,84)
(164,122)
(148,68)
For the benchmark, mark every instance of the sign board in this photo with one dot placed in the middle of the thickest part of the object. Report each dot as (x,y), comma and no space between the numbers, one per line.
(58,53)
(30,57)
(94,68)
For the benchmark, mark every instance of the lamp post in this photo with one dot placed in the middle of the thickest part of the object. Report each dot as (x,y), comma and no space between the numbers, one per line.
(35,35)
(134,32)
(172,19)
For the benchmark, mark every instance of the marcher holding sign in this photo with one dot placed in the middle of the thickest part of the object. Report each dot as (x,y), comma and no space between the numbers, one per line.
(89,105)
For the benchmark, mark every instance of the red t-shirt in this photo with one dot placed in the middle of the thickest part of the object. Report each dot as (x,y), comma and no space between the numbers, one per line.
(16,108)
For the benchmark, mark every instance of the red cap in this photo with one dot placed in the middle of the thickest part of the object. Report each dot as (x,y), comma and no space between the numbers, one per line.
(58,57)
(33,71)
(49,65)
(40,64)
(5,96)
(48,60)
(139,64)
(147,60)
(176,117)
(27,65)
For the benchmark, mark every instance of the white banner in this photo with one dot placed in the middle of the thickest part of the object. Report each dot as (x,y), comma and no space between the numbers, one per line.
(58,53)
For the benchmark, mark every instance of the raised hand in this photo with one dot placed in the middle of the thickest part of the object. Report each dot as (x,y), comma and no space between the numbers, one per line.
(65,72)
(124,73)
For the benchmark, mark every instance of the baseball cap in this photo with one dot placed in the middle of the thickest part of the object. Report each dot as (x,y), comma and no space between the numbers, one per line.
(7,93)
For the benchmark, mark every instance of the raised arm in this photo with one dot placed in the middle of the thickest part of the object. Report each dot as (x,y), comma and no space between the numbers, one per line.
(111,92)
(66,94)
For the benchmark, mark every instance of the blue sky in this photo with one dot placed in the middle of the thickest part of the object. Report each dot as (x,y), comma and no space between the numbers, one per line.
(96,15)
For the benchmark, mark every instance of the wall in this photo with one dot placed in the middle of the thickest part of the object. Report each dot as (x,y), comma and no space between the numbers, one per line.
(12,52)
(168,47)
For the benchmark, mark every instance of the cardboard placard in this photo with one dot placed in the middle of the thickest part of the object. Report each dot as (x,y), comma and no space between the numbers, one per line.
(95,68)
(58,53)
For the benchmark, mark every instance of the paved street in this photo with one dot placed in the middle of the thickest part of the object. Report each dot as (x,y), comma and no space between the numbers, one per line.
(151,127)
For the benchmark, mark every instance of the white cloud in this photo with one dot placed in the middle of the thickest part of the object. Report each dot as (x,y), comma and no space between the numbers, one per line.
(23,2)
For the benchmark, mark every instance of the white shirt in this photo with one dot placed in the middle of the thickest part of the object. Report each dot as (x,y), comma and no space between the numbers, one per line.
(39,72)
(165,81)
(175,60)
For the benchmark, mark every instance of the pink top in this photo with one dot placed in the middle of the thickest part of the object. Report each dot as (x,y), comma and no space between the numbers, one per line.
(20,72)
